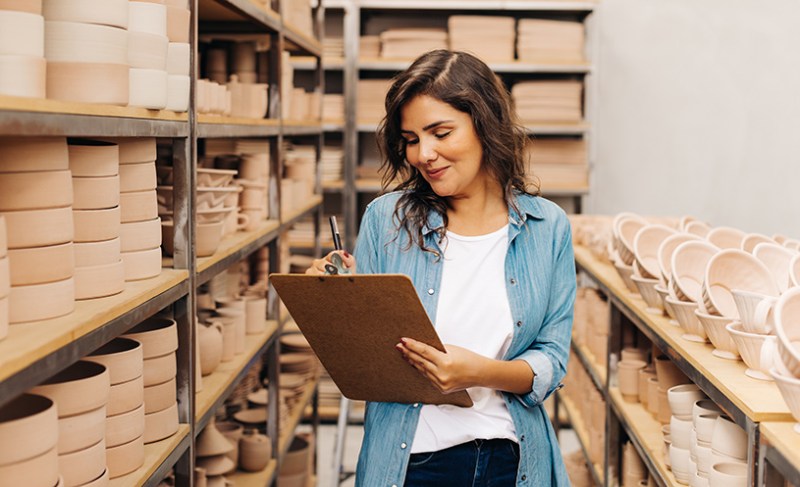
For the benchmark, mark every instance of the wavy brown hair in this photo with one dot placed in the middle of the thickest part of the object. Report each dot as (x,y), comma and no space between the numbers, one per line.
(467,84)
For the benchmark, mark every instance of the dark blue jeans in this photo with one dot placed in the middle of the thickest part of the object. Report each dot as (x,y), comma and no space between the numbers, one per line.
(478,463)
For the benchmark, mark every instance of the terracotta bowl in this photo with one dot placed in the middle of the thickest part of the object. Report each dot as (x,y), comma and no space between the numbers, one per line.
(83,466)
(93,158)
(124,459)
(137,177)
(142,264)
(714,326)
(28,154)
(41,265)
(28,428)
(734,269)
(208,238)
(142,235)
(147,17)
(41,301)
(40,471)
(96,225)
(178,20)
(787,328)
(686,317)
(77,42)
(160,425)
(89,254)
(159,397)
(22,34)
(109,12)
(138,206)
(750,346)
(122,356)
(126,396)
(124,428)
(158,370)
(777,259)
(35,190)
(81,387)
(95,193)
(689,262)
(667,248)
(159,336)
(134,150)
(104,83)
(99,281)
(648,292)
(148,88)
(178,59)
(148,51)
(81,431)
(645,248)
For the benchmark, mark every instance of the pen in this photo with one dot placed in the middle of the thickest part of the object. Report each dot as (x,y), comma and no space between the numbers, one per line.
(337,239)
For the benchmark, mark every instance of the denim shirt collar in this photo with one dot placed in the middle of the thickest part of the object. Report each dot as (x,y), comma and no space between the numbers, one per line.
(528,206)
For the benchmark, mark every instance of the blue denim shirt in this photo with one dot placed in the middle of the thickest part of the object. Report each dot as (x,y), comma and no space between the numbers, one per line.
(540,281)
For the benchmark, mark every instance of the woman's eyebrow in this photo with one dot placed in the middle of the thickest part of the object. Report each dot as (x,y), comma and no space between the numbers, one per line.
(427,127)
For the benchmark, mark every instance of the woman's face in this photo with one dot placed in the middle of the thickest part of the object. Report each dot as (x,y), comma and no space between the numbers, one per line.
(441,143)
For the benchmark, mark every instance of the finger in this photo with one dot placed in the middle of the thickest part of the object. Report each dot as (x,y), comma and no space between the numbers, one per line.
(317,267)
(422,349)
(348,259)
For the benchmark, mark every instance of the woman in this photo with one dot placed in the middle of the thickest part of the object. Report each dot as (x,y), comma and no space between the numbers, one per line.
(493,266)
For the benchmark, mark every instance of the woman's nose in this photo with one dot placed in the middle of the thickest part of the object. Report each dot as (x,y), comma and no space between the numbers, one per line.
(427,151)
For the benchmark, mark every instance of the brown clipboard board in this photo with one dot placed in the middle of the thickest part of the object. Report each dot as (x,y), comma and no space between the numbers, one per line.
(353,324)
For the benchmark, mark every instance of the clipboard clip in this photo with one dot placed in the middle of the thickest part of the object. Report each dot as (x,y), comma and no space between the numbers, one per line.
(337,267)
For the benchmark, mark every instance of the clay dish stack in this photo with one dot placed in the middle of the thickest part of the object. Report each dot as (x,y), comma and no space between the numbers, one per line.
(213,452)
(496,42)
(22,60)
(125,411)
(178,22)
(233,310)
(81,394)
(147,28)
(141,227)
(86,46)
(28,442)
(36,202)
(159,338)
(548,101)
(5,280)
(558,41)
(99,270)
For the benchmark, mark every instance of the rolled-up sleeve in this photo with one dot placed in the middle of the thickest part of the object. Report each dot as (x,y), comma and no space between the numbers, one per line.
(549,352)
(366,251)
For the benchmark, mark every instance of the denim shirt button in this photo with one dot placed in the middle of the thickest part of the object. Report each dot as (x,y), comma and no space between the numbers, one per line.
(524,477)
(431,291)
(403,446)
(522,438)
(416,404)
(512,281)
(519,323)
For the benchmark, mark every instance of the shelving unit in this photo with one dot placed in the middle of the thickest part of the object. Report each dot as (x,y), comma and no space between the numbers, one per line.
(158,460)
(779,458)
(578,426)
(595,371)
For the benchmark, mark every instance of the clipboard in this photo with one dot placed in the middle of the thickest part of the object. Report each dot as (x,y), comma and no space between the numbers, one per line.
(353,324)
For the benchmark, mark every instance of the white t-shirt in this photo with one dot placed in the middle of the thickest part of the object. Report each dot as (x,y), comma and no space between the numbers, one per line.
(473,313)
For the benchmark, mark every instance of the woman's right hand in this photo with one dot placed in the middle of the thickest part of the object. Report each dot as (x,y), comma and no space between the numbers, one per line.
(318,266)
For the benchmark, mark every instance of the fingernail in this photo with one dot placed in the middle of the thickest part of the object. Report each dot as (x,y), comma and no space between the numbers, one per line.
(399,346)
(346,254)
(403,340)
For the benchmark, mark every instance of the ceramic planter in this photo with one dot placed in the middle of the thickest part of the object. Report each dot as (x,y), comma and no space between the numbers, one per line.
(100,280)
(96,225)
(210,338)
(142,264)
(75,42)
(40,471)
(35,190)
(30,6)
(147,17)
(143,235)
(158,370)
(88,82)
(83,466)
(126,396)
(24,76)
(125,427)
(178,90)
(147,51)
(148,88)
(137,177)
(33,154)
(126,458)
(104,252)
(41,265)
(138,206)
(160,425)
(81,431)
(178,23)
(178,59)
(103,12)
(158,397)
(83,386)
(21,34)
(255,451)
(28,428)
(41,301)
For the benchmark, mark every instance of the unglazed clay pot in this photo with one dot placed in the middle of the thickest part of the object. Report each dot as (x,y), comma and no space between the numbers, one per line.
(133,150)
(95,193)
(96,225)
(88,82)
(28,428)
(104,252)
(125,458)
(35,190)
(126,396)
(83,466)
(137,177)
(81,431)
(143,235)
(148,88)
(147,17)
(255,451)
(210,337)
(100,280)
(81,387)
(122,356)
(93,158)
(41,265)
(160,425)
(142,264)
(158,370)
(211,442)
(158,336)
(76,42)
(31,154)
(106,12)
(124,428)
(138,206)
(41,301)
(159,397)
(147,51)
(39,471)
(102,480)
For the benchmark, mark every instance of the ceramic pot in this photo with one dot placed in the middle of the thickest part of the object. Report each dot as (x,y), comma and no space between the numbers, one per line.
(101,481)
(211,442)
(255,312)
(83,466)
(96,225)
(28,428)
(211,344)
(78,42)
(95,193)
(138,206)
(668,373)
(158,336)
(81,431)
(23,76)
(88,82)
(32,154)
(38,228)
(35,190)
(41,265)
(178,59)
(144,235)
(81,387)
(208,238)
(41,301)
(147,51)
(233,432)
(124,428)
(93,158)
(134,150)
(125,458)
(137,177)
(228,339)
(39,471)
(160,425)
(142,264)
(255,451)
(126,396)
(178,90)
(160,396)
(158,370)
(104,252)
(100,280)
(105,12)
(122,357)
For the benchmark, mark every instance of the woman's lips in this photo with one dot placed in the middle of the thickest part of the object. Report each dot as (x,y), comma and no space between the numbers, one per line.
(436,173)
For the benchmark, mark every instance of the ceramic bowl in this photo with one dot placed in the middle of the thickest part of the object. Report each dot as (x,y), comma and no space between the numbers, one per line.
(645,247)
(81,431)
(681,401)
(137,177)
(734,269)
(728,475)
(663,293)
(787,328)
(93,158)
(100,280)
(83,466)
(38,228)
(89,254)
(208,238)
(178,63)
(24,76)
(122,356)
(142,235)
(147,17)
(625,273)
(160,425)
(125,458)
(158,370)
(33,154)
(22,34)
(751,240)
(147,51)
(794,271)
(138,206)
(704,406)
(628,377)
(142,264)
(686,317)
(81,387)
(689,262)
(96,225)
(105,12)
(714,326)
(78,42)
(159,397)
(757,351)
(726,237)
(35,190)
(790,390)
(41,301)
(148,88)
(41,265)
(729,439)
(668,373)
(125,427)
(95,193)
(667,248)
(646,288)
(704,427)
(88,82)
(125,396)
(28,428)
(158,336)
(39,471)
(215,178)
(777,260)
(680,432)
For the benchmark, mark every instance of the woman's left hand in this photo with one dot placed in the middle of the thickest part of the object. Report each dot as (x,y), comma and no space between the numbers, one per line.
(453,371)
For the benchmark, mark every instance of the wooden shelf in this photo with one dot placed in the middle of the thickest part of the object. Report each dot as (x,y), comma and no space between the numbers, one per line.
(723,380)
(596,371)
(579,427)
(645,433)
(380,64)
(557,5)
(255,479)
(285,436)
(781,442)
(291,216)
(155,456)
(32,352)
(24,116)
(234,248)
(237,11)
(218,385)
(333,185)
(302,127)
(214,126)
(553,128)
(303,41)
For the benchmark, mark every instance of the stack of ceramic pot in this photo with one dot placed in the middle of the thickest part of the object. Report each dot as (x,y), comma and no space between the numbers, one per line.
(36,201)
(254,177)
(81,394)
(28,442)
(301,168)
(633,468)
(633,361)
(668,375)
(147,26)
(210,340)
(296,466)
(125,411)
(86,46)
(178,82)
(212,452)
(141,232)
(233,309)
(22,59)
(99,270)
(544,40)
(5,280)
(159,338)
(496,42)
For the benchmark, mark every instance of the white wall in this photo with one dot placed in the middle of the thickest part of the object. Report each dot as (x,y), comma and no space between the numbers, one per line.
(698,111)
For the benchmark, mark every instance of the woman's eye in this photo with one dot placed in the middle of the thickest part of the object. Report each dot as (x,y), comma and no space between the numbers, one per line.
(442,135)
(411,142)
